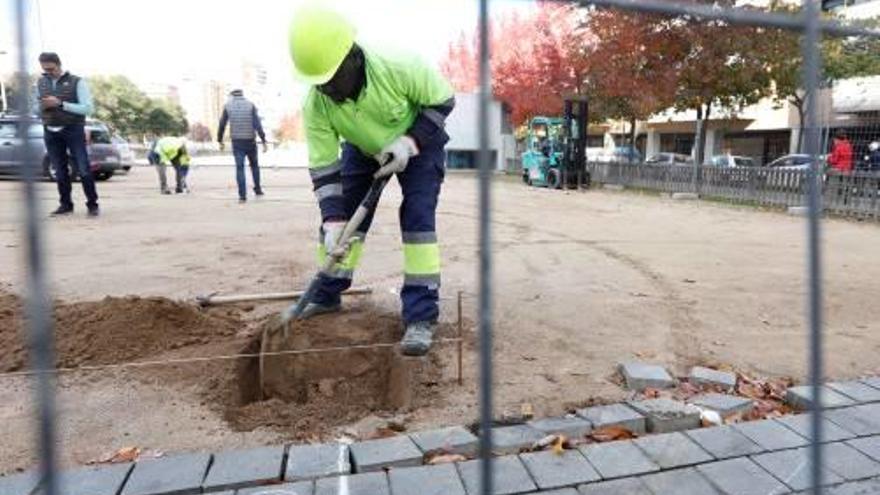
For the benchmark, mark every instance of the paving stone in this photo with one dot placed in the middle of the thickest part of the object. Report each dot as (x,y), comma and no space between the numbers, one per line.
(866,487)
(856,391)
(618,459)
(614,415)
(770,435)
(741,477)
(453,440)
(374,455)
(173,475)
(724,442)
(241,468)
(356,484)
(800,397)
(298,488)
(570,426)
(849,463)
(792,467)
(801,425)
(679,482)
(18,484)
(671,450)
(725,405)
(872,381)
(561,491)
(640,376)
(666,415)
(869,446)
(99,480)
(707,376)
(551,470)
(508,474)
(622,486)
(442,479)
(305,462)
(513,439)
(862,420)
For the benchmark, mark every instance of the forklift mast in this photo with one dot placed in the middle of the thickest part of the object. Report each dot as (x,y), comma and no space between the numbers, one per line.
(574,159)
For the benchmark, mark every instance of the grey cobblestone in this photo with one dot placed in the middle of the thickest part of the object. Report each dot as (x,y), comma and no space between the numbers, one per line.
(550,470)
(800,424)
(869,446)
(723,404)
(373,455)
(724,442)
(862,420)
(513,439)
(672,450)
(707,376)
(741,477)
(770,435)
(298,488)
(792,467)
(98,480)
(453,440)
(639,376)
(441,479)
(305,462)
(622,486)
(666,415)
(614,415)
(872,381)
(679,482)
(856,391)
(849,463)
(572,427)
(173,475)
(357,484)
(801,397)
(618,459)
(509,475)
(240,468)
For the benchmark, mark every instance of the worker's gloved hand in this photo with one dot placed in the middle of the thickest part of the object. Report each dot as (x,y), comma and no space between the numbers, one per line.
(332,231)
(222,146)
(395,156)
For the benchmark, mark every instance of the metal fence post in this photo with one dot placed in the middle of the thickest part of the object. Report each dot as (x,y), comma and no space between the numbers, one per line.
(485,283)
(812,61)
(37,307)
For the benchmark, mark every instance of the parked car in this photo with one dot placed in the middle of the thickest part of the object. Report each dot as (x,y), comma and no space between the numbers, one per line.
(669,159)
(619,154)
(730,161)
(104,158)
(791,162)
(126,155)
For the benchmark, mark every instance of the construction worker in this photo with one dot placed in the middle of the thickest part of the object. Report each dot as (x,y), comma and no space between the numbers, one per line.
(170,151)
(244,126)
(389,114)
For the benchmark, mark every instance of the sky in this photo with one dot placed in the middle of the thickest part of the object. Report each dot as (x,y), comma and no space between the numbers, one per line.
(160,41)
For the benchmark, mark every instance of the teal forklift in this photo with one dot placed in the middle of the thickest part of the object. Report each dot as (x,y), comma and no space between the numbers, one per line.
(555,155)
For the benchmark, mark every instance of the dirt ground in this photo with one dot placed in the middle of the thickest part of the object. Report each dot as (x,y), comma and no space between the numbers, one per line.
(582,281)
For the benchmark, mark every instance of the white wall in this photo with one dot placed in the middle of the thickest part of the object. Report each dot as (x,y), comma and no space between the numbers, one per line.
(461,125)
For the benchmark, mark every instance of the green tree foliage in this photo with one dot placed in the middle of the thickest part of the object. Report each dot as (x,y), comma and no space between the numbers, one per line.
(129,111)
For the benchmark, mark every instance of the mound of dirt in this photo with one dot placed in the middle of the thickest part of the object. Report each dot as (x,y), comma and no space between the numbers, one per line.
(311,394)
(113,330)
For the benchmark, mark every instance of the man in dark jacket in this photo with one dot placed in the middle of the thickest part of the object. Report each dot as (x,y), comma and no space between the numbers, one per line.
(64,102)
(244,125)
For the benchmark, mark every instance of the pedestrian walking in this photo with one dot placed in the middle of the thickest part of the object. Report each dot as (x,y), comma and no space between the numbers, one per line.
(244,126)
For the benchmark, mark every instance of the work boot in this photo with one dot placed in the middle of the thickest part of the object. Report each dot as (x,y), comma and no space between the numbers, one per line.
(166,191)
(62,210)
(315,309)
(258,191)
(94,211)
(417,339)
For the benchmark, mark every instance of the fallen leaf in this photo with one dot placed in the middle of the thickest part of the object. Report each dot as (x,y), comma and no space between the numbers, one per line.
(546,442)
(610,433)
(559,445)
(446,459)
(125,454)
(650,393)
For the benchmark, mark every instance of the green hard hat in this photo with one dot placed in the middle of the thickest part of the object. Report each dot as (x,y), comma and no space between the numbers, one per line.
(319,41)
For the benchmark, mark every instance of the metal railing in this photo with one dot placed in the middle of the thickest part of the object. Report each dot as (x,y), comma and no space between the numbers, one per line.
(39,323)
(855,194)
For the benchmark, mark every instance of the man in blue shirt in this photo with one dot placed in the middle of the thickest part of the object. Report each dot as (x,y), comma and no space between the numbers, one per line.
(64,102)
